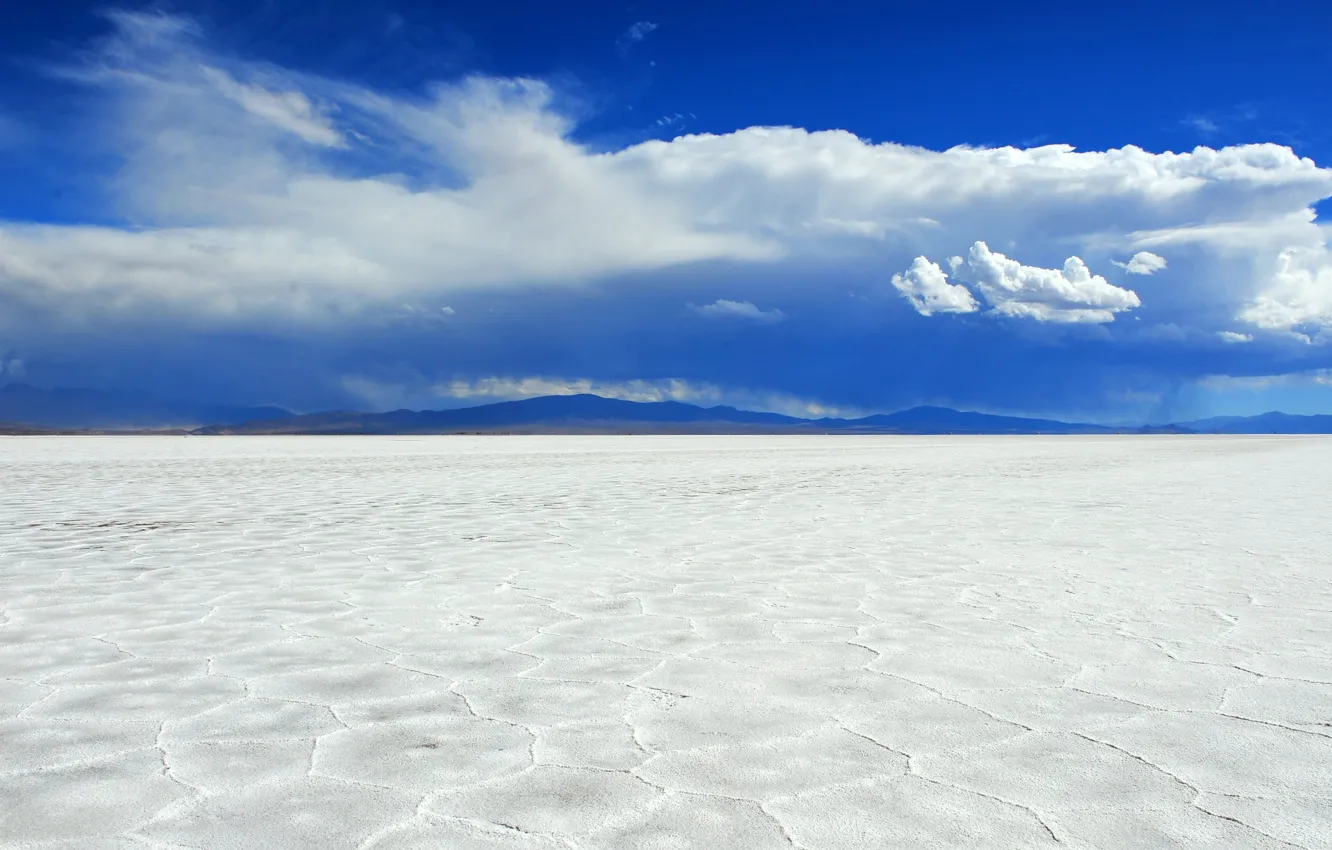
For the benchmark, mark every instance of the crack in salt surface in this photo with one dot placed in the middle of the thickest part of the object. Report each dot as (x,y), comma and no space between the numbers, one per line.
(1212,713)
(1197,793)
(791,559)
(914,772)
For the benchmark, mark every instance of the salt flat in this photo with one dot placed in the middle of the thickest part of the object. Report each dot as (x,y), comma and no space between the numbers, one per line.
(666,642)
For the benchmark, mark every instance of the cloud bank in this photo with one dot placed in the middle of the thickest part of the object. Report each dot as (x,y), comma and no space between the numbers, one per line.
(485,390)
(239,211)
(253,199)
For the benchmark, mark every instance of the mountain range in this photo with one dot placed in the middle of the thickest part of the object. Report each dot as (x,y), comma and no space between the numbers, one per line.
(23,405)
(590,413)
(27,409)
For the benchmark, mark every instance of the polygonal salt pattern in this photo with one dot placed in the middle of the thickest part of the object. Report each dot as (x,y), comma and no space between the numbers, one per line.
(665,643)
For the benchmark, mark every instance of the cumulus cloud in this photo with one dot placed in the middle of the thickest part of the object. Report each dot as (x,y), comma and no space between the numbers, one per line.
(723,309)
(1234,337)
(1143,262)
(926,286)
(483,390)
(1298,297)
(1068,295)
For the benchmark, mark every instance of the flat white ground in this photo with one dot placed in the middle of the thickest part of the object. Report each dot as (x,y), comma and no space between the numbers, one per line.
(666,642)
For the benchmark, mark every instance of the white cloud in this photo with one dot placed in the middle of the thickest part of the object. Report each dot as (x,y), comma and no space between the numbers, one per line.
(723,309)
(478,185)
(1279,266)
(926,286)
(483,390)
(292,111)
(1143,262)
(674,120)
(1298,297)
(1233,337)
(530,387)
(1068,295)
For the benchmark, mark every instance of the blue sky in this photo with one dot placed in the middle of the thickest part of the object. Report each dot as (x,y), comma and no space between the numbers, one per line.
(1032,208)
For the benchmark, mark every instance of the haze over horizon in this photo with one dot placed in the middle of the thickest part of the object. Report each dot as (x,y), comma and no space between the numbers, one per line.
(1064,213)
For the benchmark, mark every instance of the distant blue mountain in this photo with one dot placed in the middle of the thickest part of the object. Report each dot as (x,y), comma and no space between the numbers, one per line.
(590,413)
(936,420)
(1272,422)
(567,412)
(26,405)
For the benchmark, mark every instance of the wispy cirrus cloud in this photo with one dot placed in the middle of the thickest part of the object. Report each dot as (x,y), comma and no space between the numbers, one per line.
(633,35)
(1202,124)
(290,110)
